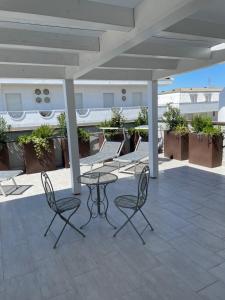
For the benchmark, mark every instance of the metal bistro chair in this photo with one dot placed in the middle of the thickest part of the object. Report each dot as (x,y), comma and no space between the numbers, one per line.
(135,203)
(59,206)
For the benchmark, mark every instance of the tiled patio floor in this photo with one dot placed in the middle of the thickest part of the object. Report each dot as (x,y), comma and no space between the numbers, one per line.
(184,258)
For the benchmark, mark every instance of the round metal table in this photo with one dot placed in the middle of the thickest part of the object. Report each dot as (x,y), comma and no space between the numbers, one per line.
(97,206)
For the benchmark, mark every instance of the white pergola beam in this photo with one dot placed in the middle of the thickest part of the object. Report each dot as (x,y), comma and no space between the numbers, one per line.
(37,72)
(198,28)
(123,62)
(187,65)
(45,40)
(151,17)
(114,74)
(27,57)
(76,13)
(167,50)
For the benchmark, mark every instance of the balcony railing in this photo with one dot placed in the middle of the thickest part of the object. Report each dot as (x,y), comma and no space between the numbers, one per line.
(93,116)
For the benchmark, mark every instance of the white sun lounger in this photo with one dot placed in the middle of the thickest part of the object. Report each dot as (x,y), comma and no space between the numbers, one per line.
(140,153)
(8,175)
(108,151)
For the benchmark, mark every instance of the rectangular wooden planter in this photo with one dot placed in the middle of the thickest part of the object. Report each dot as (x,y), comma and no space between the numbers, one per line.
(205,151)
(4,157)
(175,145)
(84,151)
(35,165)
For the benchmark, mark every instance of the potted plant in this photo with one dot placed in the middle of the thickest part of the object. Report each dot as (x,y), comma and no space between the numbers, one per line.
(176,136)
(83,137)
(4,153)
(39,154)
(142,119)
(205,143)
(84,142)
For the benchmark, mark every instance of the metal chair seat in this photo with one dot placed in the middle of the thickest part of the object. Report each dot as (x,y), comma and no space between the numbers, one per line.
(69,203)
(127,201)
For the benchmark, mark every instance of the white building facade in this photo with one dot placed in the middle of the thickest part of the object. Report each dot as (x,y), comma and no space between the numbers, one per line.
(35,102)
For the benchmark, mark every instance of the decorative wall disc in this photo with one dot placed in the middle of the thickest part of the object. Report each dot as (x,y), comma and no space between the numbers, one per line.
(47,99)
(37,92)
(46,91)
(38,99)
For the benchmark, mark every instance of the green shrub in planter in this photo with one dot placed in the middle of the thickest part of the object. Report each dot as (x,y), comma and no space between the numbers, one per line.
(199,123)
(176,135)
(181,130)
(40,140)
(62,125)
(205,143)
(142,118)
(173,118)
(117,120)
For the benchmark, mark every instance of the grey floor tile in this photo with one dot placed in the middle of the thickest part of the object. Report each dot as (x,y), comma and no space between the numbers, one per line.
(219,272)
(208,225)
(196,277)
(204,238)
(22,288)
(200,255)
(215,291)
(179,210)
(170,286)
(52,277)
(138,257)
(77,258)
(70,295)
(17,260)
(221,253)
(156,244)
(96,284)
(214,215)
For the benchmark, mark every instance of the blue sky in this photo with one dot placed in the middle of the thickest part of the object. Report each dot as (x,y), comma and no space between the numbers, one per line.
(213,76)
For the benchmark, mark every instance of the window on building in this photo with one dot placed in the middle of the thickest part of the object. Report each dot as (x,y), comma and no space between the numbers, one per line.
(137,99)
(194,98)
(108,99)
(79,100)
(208,97)
(13,102)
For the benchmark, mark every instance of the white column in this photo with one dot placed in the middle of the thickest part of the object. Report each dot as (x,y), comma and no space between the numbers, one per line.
(72,134)
(152,99)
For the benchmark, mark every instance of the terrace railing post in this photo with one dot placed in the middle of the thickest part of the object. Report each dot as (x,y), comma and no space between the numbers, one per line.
(72,134)
(152,99)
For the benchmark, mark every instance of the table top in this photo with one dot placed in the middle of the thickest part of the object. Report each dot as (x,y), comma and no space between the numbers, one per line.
(7,175)
(95,178)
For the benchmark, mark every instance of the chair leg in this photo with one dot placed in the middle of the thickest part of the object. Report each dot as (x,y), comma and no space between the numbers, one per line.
(50,224)
(152,229)
(118,230)
(67,222)
(143,242)
(71,224)
(64,226)
(132,224)
(124,224)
